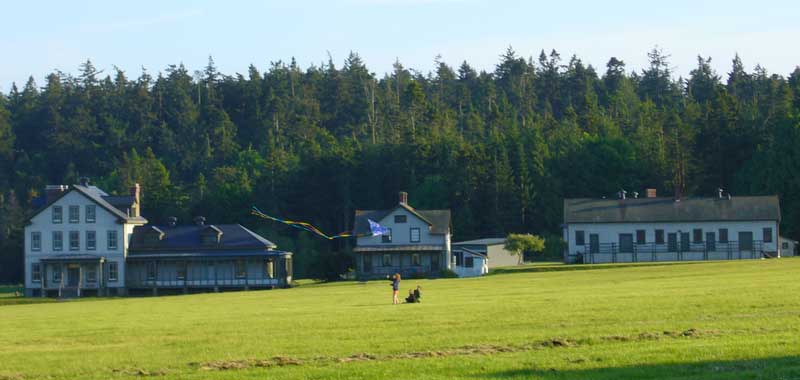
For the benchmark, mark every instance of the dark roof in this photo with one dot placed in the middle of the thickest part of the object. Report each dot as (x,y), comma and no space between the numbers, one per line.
(188,239)
(471,252)
(438,220)
(207,254)
(485,241)
(638,210)
(116,205)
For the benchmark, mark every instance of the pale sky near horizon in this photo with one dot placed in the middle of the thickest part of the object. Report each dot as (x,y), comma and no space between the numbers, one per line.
(42,36)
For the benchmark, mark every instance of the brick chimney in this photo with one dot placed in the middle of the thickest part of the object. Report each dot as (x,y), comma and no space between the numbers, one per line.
(135,192)
(651,193)
(51,192)
(403,197)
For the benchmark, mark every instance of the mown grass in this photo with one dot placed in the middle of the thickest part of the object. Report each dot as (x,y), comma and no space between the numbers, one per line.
(722,320)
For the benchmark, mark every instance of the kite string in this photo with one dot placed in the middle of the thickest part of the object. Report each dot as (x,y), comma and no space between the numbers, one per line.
(299,225)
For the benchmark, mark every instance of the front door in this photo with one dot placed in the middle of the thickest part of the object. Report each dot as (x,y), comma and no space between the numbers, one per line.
(711,242)
(73,276)
(626,243)
(745,241)
(594,243)
(684,241)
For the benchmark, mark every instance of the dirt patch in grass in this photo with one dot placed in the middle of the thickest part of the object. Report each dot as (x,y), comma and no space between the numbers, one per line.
(139,372)
(487,349)
(11,376)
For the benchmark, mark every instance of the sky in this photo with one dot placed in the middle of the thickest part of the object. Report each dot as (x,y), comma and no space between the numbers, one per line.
(39,37)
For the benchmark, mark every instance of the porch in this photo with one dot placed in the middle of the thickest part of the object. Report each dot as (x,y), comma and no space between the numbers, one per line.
(70,276)
(410,264)
(685,251)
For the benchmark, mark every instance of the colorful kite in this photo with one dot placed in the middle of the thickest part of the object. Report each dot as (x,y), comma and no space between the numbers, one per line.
(374,228)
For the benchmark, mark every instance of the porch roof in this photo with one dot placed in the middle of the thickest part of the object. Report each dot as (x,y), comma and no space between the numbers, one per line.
(399,248)
(73,258)
(206,254)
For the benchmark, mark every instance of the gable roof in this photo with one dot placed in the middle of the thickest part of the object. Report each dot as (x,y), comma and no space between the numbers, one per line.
(438,220)
(116,205)
(638,210)
(188,238)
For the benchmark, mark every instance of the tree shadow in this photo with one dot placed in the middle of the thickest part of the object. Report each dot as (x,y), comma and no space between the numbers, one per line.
(767,368)
(579,267)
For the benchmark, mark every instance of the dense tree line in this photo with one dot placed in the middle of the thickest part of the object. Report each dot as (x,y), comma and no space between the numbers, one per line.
(501,149)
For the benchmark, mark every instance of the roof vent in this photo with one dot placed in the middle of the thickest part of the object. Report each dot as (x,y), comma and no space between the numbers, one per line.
(403,198)
(84,181)
(622,194)
(719,193)
(635,195)
(200,220)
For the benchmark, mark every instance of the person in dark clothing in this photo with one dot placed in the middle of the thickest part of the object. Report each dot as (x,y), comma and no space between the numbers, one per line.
(411,298)
(417,293)
(395,288)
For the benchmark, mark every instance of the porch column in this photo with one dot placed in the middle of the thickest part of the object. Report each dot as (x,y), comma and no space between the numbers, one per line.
(80,278)
(43,277)
(101,283)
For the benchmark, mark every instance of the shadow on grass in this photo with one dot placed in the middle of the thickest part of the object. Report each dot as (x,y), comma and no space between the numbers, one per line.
(576,267)
(768,368)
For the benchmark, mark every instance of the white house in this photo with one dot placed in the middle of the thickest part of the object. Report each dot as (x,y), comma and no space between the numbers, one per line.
(469,263)
(667,229)
(476,257)
(77,242)
(788,247)
(418,243)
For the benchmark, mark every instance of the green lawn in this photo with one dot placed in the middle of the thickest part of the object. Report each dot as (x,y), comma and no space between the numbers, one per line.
(722,320)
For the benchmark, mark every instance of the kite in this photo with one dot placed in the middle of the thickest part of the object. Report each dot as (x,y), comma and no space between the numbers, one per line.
(374,228)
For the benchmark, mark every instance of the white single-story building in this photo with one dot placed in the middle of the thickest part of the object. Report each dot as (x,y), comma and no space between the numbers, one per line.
(788,247)
(668,229)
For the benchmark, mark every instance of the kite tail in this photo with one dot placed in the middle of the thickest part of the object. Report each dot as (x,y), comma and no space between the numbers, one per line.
(301,225)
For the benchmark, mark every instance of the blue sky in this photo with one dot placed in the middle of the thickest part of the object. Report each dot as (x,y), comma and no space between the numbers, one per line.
(39,37)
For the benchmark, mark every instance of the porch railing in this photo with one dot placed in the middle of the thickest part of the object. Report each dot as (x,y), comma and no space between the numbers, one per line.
(679,251)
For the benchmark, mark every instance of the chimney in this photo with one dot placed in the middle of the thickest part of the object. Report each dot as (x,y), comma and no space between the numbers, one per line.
(403,198)
(622,194)
(200,220)
(651,193)
(84,181)
(135,192)
(719,193)
(172,221)
(635,195)
(51,192)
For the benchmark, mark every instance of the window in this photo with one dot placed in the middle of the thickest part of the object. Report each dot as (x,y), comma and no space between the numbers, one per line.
(400,218)
(767,235)
(36,272)
(113,271)
(625,243)
(91,275)
(367,263)
(723,235)
(387,238)
(387,260)
(74,214)
(91,213)
(180,271)
(580,238)
(697,235)
(36,241)
(640,237)
(415,259)
(56,273)
(659,236)
(58,240)
(152,270)
(241,269)
(269,268)
(91,240)
(469,262)
(112,240)
(414,235)
(459,258)
(746,241)
(58,214)
(74,240)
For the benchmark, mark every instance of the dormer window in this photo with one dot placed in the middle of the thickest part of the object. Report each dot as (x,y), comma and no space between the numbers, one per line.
(400,218)
(211,236)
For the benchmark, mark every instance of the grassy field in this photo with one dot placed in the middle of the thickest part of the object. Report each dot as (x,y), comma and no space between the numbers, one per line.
(723,320)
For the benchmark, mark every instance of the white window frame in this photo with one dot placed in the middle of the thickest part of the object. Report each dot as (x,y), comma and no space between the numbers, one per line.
(92,240)
(111,236)
(36,272)
(36,241)
(113,271)
(58,215)
(91,210)
(387,238)
(411,235)
(77,240)
(76,214)
(58,236)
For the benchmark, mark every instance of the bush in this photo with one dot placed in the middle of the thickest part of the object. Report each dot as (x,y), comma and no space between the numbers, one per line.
(447,273)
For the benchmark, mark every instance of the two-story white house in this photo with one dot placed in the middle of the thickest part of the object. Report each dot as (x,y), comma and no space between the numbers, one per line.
(76,244)
(669,229)
(418,242)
